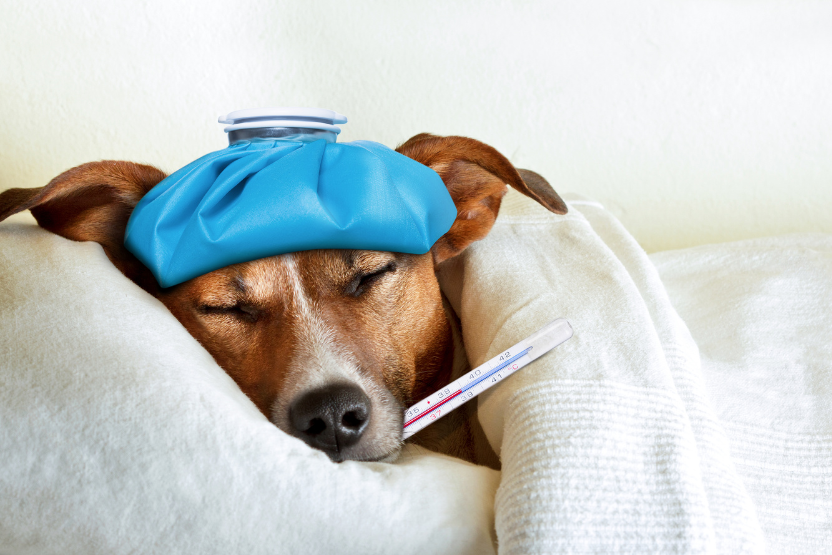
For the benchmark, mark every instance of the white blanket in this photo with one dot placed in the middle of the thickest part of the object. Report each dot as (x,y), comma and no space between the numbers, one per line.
(610,443)
(765,338)
(119,434)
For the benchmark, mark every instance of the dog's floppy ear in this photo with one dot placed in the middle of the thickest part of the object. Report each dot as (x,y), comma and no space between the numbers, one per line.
(476,176)
(91,202)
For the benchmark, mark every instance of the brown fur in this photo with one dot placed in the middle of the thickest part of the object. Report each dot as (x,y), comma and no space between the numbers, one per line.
(384,309)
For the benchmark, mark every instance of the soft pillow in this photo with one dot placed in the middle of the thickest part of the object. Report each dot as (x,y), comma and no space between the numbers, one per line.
(120,434)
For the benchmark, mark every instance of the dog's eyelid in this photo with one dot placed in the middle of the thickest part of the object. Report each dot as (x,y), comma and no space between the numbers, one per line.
(387,268)
(368,261)
(243,310)
(219,305)
(364,280)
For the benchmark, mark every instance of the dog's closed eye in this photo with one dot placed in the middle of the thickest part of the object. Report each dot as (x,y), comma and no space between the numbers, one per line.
(363,281)
(240,311)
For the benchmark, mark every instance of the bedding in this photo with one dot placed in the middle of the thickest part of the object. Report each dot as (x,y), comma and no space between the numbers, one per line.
(648,431)
(637,435)
(765,340)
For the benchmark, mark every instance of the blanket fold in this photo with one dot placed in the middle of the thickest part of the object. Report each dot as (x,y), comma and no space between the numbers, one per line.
(761,313)
(608,443)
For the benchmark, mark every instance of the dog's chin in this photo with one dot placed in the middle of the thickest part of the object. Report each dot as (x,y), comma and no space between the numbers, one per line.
(381,447)
(390,457)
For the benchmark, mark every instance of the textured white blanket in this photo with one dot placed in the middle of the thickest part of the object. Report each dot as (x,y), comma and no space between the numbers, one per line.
(611,442)
(761,314)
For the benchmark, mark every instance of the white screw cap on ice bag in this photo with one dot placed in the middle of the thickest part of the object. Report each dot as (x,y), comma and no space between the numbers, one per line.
(302,124)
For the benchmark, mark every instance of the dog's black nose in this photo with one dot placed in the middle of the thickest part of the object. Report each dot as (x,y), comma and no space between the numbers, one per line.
(331,418)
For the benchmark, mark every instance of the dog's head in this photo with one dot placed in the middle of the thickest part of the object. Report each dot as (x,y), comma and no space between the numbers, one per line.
(331,345)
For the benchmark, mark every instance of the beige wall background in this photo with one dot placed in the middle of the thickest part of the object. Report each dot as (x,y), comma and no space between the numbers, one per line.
(693,121)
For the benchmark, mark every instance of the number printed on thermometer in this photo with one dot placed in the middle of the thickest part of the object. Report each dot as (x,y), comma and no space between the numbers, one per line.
(484,376)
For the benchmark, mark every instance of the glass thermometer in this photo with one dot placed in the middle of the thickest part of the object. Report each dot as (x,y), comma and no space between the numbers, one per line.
(458,392)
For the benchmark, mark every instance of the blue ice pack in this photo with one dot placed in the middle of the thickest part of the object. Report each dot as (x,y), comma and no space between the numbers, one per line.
(285,185)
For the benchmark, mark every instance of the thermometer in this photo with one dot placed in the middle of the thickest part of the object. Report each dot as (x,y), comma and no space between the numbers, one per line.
(458,392)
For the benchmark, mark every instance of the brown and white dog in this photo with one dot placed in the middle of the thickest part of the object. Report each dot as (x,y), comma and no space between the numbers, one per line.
(331,345)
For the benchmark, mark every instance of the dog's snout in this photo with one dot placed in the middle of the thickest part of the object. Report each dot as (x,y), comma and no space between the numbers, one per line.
(331,418)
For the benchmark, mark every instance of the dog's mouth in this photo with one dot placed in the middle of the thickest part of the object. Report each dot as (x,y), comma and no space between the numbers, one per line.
(344,421)
(388,458)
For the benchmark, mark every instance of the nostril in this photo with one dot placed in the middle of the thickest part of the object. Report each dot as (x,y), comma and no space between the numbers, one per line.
(353,420)
(316,426)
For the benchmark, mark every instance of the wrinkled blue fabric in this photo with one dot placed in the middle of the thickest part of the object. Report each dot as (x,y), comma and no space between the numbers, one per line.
(268,197)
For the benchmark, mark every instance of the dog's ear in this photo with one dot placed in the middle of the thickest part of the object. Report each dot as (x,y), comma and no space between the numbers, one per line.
(476,176)
(91,202)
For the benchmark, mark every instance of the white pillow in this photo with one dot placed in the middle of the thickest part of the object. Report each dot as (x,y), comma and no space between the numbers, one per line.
(120,434)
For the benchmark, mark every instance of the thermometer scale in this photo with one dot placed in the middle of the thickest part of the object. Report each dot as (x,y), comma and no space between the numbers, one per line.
(460,391)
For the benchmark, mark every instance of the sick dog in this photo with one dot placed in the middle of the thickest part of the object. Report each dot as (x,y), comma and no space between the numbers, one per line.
(331,345)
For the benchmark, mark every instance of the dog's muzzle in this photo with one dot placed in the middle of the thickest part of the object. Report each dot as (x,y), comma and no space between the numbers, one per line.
(332,418)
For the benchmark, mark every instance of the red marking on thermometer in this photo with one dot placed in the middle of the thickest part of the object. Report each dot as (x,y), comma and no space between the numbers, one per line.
(484,376)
